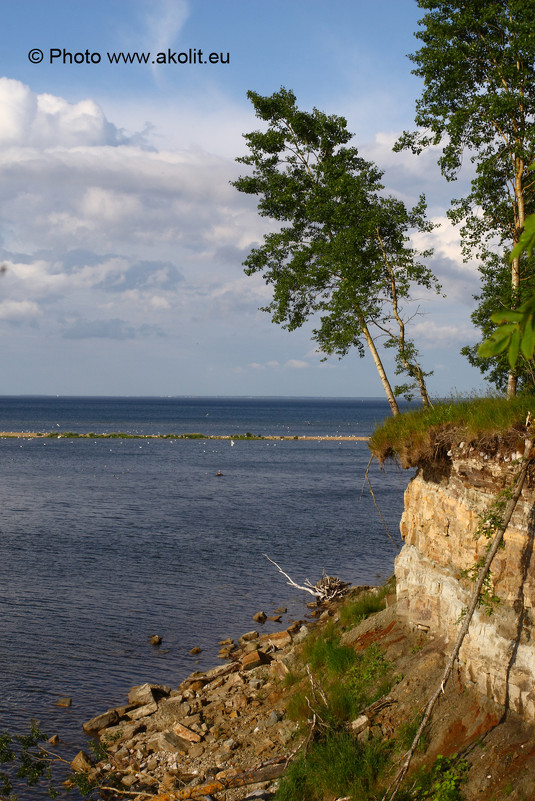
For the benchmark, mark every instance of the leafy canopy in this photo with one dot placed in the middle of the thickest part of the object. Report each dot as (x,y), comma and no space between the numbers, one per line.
(477,61)
(342,248)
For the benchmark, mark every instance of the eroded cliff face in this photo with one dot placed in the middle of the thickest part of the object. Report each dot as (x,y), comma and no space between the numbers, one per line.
(443,504)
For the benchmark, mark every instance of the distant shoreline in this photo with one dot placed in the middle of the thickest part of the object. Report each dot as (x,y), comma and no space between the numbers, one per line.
(121,435)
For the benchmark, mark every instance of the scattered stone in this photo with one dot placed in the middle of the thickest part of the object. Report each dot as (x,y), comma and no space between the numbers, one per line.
(54,740)
(274,618)
(360,724)
(156,639)
(81,762)
(64,702)
(142,711)
(196,751)
(280,610)
(364,736)
(248,636)
(101,721)
(254,659)
(186,734)
(141,695)
(260,617)
(277,639)
(128,779)
(279,669)
(301,634)
(196,650)
(228,641)
(294,627)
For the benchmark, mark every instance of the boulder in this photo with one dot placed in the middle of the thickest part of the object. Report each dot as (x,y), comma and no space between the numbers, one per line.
(254,659)
(64,702)
(101,721)
(143,711)
(167,741)
(81,762)
(186,734)
(278,639)
(260,617)
(141,695)
(248,636)
(360,724)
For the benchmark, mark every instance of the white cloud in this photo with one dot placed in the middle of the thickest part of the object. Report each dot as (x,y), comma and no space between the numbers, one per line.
(100,220)
(18,310)
(431,334)
(296,364)
(47,121)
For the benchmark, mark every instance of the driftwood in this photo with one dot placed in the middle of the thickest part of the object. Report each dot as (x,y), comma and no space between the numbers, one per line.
(269,770)
(508,513)
(326,589)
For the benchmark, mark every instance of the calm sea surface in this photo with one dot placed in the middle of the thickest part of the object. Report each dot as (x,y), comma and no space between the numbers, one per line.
(104,543)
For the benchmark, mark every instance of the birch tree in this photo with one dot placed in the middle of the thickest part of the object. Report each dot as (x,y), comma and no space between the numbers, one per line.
(342,255)
(477,62)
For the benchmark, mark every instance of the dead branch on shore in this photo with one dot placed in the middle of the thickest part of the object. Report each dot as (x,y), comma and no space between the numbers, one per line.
(527,459)
(265,772)
(326,589)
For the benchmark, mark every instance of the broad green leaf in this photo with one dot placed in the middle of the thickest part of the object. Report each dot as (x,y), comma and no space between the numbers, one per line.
(507,316)
(527,239)
(514,347)
(527,345)
(494,345)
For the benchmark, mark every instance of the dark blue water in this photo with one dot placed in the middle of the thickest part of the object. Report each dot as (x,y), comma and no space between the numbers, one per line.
(104,543)
(282,416)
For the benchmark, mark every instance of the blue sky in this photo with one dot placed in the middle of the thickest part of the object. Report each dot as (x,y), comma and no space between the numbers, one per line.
(122,237)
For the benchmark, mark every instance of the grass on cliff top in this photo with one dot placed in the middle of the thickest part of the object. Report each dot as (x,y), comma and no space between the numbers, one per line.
(425,434)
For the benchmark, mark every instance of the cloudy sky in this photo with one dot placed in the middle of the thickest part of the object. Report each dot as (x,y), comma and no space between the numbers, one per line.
(121,234)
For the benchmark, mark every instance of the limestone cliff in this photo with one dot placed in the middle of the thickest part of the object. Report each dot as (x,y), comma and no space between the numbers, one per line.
(443,504)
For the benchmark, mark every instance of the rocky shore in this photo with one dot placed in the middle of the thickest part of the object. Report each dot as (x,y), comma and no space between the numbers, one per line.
(222,727)
(226,733)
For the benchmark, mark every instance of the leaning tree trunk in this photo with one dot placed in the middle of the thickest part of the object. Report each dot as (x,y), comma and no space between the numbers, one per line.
(378,363)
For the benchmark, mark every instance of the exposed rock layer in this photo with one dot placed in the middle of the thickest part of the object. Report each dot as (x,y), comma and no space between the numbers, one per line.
(443,508)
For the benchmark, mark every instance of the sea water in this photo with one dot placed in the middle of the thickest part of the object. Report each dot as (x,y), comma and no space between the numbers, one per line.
(104,543)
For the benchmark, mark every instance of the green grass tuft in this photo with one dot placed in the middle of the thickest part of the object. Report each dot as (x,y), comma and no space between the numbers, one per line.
(336,766)
(424,434)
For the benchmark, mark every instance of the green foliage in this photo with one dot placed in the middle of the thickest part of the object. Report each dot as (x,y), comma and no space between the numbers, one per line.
(516,332)
(31,764)
(477,62)
(367,679)
(336,766)
(348,680)
(355,611)
(497,294)
(487,598)
(324,652)
(442,782)
(342,251)
(489,524)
